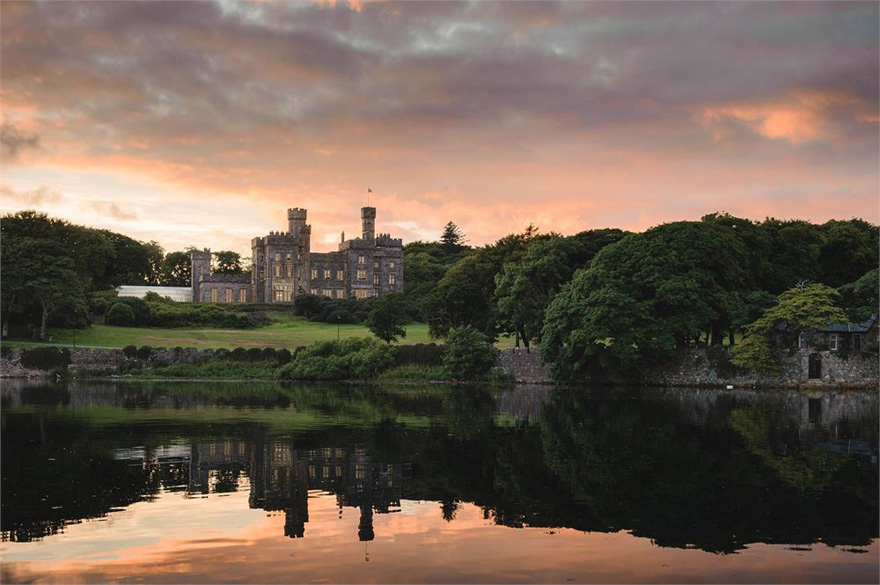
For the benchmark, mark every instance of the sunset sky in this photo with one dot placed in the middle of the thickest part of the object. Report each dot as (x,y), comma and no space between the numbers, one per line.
(199,123)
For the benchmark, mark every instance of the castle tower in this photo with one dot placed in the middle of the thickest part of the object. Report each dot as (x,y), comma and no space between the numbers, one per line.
(200,266)
(368,220)
(296,221)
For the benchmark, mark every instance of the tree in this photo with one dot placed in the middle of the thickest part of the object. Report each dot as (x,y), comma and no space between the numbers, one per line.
(861,298)
(467,353)
(41,274)
(644,296)
(525,288)
(177,269)
(387,318)
(800,308)
(227,262)
(452,238)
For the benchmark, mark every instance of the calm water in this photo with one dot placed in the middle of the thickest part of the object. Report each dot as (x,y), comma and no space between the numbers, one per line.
(263,483)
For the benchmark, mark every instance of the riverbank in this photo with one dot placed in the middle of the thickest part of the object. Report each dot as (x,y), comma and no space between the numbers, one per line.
(694,368)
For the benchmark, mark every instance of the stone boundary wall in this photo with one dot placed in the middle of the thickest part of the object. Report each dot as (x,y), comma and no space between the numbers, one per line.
(524,366)
(711,367)
(106,361)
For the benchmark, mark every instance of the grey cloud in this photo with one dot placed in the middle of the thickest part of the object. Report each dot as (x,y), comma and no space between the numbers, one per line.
(14,141)
(108,208)
(35,198)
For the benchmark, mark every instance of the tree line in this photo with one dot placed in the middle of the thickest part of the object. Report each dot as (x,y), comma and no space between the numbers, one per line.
(615,299)
(50,268)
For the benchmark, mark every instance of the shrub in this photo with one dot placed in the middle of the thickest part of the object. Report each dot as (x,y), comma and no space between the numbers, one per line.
(239,354)
(268,354)
(140,309)
(467,353)
(45,358)
(334,360)
(98,305)
(255,354)
(283,356)
(129,351)
(420,354)
(144,352)
(120,314)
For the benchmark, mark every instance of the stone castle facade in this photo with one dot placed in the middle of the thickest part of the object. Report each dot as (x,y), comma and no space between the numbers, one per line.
(284,266)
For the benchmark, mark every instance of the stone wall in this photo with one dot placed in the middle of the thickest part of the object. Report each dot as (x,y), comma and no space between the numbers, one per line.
(711,367)
(523,365)
(107,361)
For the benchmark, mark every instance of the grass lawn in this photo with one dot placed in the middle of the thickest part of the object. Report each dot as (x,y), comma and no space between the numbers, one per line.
(288,331)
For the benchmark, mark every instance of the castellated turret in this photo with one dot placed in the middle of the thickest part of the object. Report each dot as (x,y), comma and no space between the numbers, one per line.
(368,219)
(296,220)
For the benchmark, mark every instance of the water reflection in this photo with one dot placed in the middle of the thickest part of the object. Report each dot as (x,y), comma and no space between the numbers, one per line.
(715,471)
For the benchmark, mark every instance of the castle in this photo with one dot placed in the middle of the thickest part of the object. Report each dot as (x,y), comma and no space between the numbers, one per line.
(284,266)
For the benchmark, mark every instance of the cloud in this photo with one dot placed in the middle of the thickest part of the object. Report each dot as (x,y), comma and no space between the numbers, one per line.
(551,106)
(108,209)
(35,198)
(13,141)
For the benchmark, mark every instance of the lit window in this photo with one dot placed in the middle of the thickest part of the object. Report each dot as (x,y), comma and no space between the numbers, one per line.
(315,291)
(213,295)
(362,274)
(391,265)
(277,256)
(392,279)
(277,271)
(361,260)
(242,295)
(289,270)
(326,274)
(376,264)
(376,279)
(361,293)
(314,274)
(832,342)
(339,275)
(289,256)
(228,295)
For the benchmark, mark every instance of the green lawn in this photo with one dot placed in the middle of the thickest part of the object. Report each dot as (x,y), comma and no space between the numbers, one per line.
(287,331)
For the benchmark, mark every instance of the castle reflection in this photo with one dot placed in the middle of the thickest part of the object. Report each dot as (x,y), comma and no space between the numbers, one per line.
(280,475)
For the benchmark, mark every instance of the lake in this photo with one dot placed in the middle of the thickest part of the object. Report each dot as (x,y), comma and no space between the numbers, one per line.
(259,482)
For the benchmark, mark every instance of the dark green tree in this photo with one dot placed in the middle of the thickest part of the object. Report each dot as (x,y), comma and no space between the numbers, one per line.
(644,296)
(176,269)
(387,318)
(467,353)
(452,238)
(227,262)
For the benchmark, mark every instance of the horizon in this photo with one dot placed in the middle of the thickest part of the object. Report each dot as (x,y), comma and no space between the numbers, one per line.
(199,124)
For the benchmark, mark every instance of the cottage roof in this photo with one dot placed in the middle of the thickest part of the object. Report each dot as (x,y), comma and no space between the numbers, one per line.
(861,327)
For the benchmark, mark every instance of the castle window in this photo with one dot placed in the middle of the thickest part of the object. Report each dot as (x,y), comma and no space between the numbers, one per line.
(314,273)
(289,270)
(315,291)
(277,270)
(328,293)
(361,293)
(289,256)
(376,279)
(242,295)
(832,342)
(282,293)
(339,275)
(361,260)
(326,274)
(392,279)
(802,340)
(228,295)
(214,295)
(277,256)
(362,274)
(391,265)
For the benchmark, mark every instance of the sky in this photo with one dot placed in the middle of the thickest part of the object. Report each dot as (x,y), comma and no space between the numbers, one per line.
(200,123)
